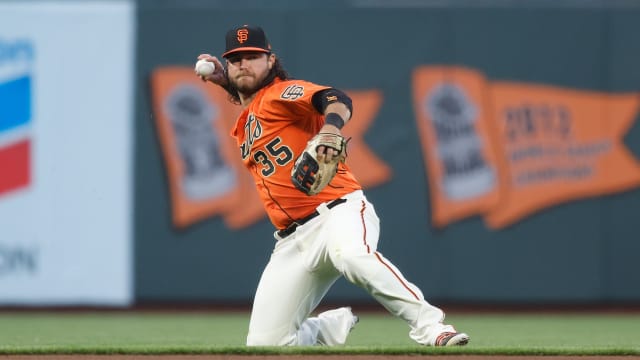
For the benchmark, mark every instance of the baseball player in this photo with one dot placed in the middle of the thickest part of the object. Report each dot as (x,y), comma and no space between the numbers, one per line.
(288,135)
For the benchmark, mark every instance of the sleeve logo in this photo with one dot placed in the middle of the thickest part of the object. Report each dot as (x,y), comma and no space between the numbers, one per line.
(292,92)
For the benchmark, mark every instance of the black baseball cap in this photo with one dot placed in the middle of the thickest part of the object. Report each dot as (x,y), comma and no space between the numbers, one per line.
(246,38)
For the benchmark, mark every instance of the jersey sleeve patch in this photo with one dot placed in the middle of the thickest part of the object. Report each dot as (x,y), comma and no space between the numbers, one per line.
(292,92)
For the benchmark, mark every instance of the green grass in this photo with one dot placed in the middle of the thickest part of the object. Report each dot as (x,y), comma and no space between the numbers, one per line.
(208,333)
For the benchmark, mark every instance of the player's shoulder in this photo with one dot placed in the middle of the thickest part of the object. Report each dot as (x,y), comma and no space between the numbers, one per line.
(282,84)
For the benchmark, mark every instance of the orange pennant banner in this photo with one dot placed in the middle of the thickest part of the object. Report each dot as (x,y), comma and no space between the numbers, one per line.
(204,172)
(560,145)
(457,141)
(546,145)
(368,168)
(204,168)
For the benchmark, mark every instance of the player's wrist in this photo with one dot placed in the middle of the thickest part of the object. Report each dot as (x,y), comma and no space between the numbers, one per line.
(334,119)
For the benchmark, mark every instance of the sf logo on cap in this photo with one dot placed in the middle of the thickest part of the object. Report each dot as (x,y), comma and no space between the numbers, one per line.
(243,35)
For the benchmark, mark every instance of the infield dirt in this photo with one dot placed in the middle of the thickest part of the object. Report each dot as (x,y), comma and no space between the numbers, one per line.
(312,357)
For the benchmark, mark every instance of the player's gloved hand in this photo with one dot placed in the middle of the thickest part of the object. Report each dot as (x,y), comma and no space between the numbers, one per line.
(327,154)
(318,164)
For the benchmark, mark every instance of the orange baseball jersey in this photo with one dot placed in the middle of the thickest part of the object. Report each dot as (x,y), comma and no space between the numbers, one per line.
(271,133)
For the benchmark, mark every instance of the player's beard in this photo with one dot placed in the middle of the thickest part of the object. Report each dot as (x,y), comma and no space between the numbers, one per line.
(246,83)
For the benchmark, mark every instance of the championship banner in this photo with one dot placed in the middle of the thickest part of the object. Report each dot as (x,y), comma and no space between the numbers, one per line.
(460,153)
(205,173)
(367,167)
(205,170)
(553,144)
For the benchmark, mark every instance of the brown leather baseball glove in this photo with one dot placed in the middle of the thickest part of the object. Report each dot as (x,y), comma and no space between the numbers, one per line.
(310,175)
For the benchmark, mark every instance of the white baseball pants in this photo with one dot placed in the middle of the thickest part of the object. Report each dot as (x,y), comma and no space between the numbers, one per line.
(340,241)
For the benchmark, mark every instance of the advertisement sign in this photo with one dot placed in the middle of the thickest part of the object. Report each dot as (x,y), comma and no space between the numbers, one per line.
(66,152)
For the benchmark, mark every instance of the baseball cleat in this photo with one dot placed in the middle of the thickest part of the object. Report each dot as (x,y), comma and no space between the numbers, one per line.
(452,339)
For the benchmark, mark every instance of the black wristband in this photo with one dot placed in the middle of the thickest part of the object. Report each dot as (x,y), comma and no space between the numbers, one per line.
(334,119)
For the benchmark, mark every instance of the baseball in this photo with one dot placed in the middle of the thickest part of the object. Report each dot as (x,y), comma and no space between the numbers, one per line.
(204,67)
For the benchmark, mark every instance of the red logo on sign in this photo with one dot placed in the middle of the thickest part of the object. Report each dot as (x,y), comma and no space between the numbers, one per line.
(14,165)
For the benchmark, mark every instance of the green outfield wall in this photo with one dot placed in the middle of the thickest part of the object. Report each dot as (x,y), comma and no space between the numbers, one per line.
(581,250)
